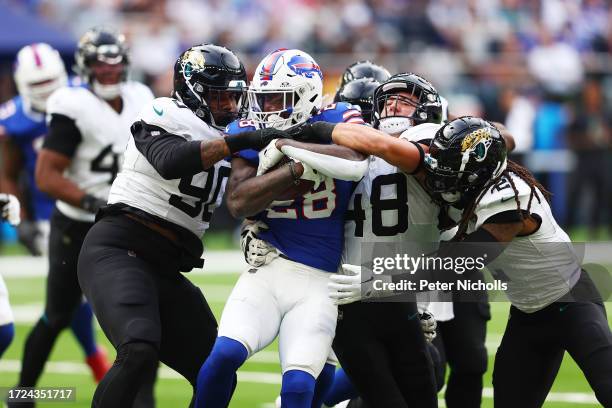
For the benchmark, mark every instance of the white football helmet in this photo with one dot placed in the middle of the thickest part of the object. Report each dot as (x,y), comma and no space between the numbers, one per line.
(287,89)
(39,70)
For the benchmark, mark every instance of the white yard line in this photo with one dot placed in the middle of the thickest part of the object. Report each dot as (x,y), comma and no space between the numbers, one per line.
(65,367)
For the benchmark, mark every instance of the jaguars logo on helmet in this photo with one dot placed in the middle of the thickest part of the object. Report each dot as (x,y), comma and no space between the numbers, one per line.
(211,81)
(464,156)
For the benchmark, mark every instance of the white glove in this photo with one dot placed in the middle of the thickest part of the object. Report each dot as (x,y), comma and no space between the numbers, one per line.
(10,209)
(269,157)
(312,175)
(348,287)
(428,324)
(257,252)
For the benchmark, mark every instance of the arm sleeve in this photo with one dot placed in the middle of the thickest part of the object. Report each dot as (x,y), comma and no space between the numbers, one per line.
(64,136)
(331,166)
(480,246)
(171,155)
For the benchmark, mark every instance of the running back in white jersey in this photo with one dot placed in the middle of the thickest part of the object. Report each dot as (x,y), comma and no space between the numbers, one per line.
(188,202)
(541,267)
(104,134)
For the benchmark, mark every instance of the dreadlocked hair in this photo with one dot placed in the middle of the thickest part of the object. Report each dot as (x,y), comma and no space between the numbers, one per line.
(521,172)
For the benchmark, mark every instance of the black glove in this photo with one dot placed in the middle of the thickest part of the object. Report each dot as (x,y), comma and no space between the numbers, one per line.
(253,139)
(92,204)
(317,132)
(27,234)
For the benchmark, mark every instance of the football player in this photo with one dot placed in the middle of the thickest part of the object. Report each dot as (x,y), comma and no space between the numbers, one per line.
(379,212)
(160,205)
(10,212)
(363,69)
(503,211)
(39,71)
(288,296)
(555,306)
(463,330)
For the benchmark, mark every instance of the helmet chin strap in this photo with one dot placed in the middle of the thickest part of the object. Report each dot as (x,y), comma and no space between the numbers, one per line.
(393,125)
(107,92)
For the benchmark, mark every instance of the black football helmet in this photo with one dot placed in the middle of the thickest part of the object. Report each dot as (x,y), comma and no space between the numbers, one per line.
(104,45)
(465,155)
(359,92)
(211,81)
(364,69)
(424,97)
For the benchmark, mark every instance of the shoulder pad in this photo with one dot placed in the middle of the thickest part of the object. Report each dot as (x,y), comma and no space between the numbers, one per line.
(67,101)
(500,198)
(339,112)
(425,131)
(168,114)
(239,126)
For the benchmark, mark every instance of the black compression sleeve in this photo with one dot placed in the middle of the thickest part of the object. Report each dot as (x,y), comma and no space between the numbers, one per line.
(481,247)
(64,137)
(172,156)
(421,157)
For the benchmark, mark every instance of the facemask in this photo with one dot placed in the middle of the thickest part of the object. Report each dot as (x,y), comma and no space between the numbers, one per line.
(393,125)
(107,92)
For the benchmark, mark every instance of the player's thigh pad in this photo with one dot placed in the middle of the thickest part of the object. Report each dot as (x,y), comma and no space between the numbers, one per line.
(6,313)
(252,314)
(308,327)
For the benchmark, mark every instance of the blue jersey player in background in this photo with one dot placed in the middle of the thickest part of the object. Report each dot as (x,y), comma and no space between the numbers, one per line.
(288,296)
(39,71)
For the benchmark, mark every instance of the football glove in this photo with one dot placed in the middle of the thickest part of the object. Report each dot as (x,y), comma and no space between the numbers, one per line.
(257,252)
(312,175)
(269,157)
(10,209)
(348,287)
(29,236)
(428,324)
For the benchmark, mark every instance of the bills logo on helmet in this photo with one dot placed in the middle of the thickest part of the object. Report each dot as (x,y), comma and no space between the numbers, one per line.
(302,65)
(267,69)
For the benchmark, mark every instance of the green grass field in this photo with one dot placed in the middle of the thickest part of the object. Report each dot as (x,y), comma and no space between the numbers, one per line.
(259,379)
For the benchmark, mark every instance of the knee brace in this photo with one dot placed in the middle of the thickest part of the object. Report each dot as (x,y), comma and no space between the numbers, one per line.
(137,358)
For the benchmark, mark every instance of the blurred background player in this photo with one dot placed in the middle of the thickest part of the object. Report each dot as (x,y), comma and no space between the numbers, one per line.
(288,297)
(9,212)
(39,71)
(87,133)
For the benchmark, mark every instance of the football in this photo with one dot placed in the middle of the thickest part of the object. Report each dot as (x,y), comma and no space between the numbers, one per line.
(295,190)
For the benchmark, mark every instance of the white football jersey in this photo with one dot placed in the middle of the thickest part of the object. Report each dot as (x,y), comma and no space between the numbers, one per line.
(104,133)
(188,202)
(539,268)
(389,206)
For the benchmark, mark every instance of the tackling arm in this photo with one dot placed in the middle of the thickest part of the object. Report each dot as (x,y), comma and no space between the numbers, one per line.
(248,195)
(334,161)
(405,155)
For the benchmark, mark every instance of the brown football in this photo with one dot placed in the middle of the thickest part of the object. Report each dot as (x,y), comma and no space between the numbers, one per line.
(294,191)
